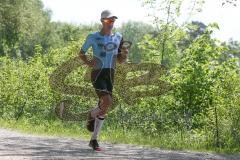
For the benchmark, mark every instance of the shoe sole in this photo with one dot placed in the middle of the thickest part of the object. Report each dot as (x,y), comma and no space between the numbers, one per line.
(97,149)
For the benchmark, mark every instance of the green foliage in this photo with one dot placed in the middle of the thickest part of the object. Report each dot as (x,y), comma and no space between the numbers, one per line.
(134,32)
(161,47)
(22,25)
(200,81)
(201,111)
(25,23)
(204,101)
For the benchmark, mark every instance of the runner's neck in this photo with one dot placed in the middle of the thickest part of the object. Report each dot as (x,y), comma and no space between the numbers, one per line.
(102,33)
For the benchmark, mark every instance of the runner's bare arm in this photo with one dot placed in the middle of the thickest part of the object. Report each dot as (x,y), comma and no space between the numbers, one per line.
(122,57)
(83,57)
(122,53)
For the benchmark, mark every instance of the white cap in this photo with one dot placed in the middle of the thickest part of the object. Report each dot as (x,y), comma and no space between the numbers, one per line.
(108,14)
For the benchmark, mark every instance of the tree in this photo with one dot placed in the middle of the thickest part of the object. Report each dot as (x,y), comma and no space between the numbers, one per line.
(134,32)
(22,26)
(194,30)
(165,16)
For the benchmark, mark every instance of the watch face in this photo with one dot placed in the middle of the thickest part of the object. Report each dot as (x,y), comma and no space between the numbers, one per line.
(110,46)
(126,44)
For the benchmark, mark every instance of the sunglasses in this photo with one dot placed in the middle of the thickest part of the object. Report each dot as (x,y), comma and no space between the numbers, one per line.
(108,21)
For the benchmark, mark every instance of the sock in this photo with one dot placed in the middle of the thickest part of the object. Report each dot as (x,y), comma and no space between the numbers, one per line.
(97,127)
(95,112)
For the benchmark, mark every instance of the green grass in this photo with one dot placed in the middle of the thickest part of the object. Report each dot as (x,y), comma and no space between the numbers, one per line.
(173,141)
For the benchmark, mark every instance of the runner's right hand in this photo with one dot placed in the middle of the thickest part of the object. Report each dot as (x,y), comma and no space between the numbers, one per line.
(91,63)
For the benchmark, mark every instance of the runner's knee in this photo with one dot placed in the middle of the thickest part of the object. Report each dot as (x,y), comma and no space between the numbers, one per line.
(106,102)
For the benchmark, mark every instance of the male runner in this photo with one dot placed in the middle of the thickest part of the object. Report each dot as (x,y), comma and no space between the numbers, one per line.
(107,48)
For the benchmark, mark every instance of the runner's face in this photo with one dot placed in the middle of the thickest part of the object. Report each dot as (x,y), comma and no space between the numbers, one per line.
(108,23)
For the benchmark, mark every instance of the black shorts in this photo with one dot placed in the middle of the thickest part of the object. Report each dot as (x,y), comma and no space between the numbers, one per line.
(102,80)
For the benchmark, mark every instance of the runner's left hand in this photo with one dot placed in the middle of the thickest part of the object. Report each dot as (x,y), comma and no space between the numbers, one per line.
(124,51)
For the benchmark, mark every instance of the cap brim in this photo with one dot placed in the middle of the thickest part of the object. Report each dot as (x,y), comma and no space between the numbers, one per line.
(110,17)
(114,17)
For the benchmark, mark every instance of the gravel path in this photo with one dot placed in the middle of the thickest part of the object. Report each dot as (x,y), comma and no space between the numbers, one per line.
(17,146)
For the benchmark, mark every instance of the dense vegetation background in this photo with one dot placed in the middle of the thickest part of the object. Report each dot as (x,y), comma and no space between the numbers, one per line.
(202,111)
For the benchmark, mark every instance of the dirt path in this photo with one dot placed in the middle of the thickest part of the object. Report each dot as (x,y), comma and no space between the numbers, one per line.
(15,146)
